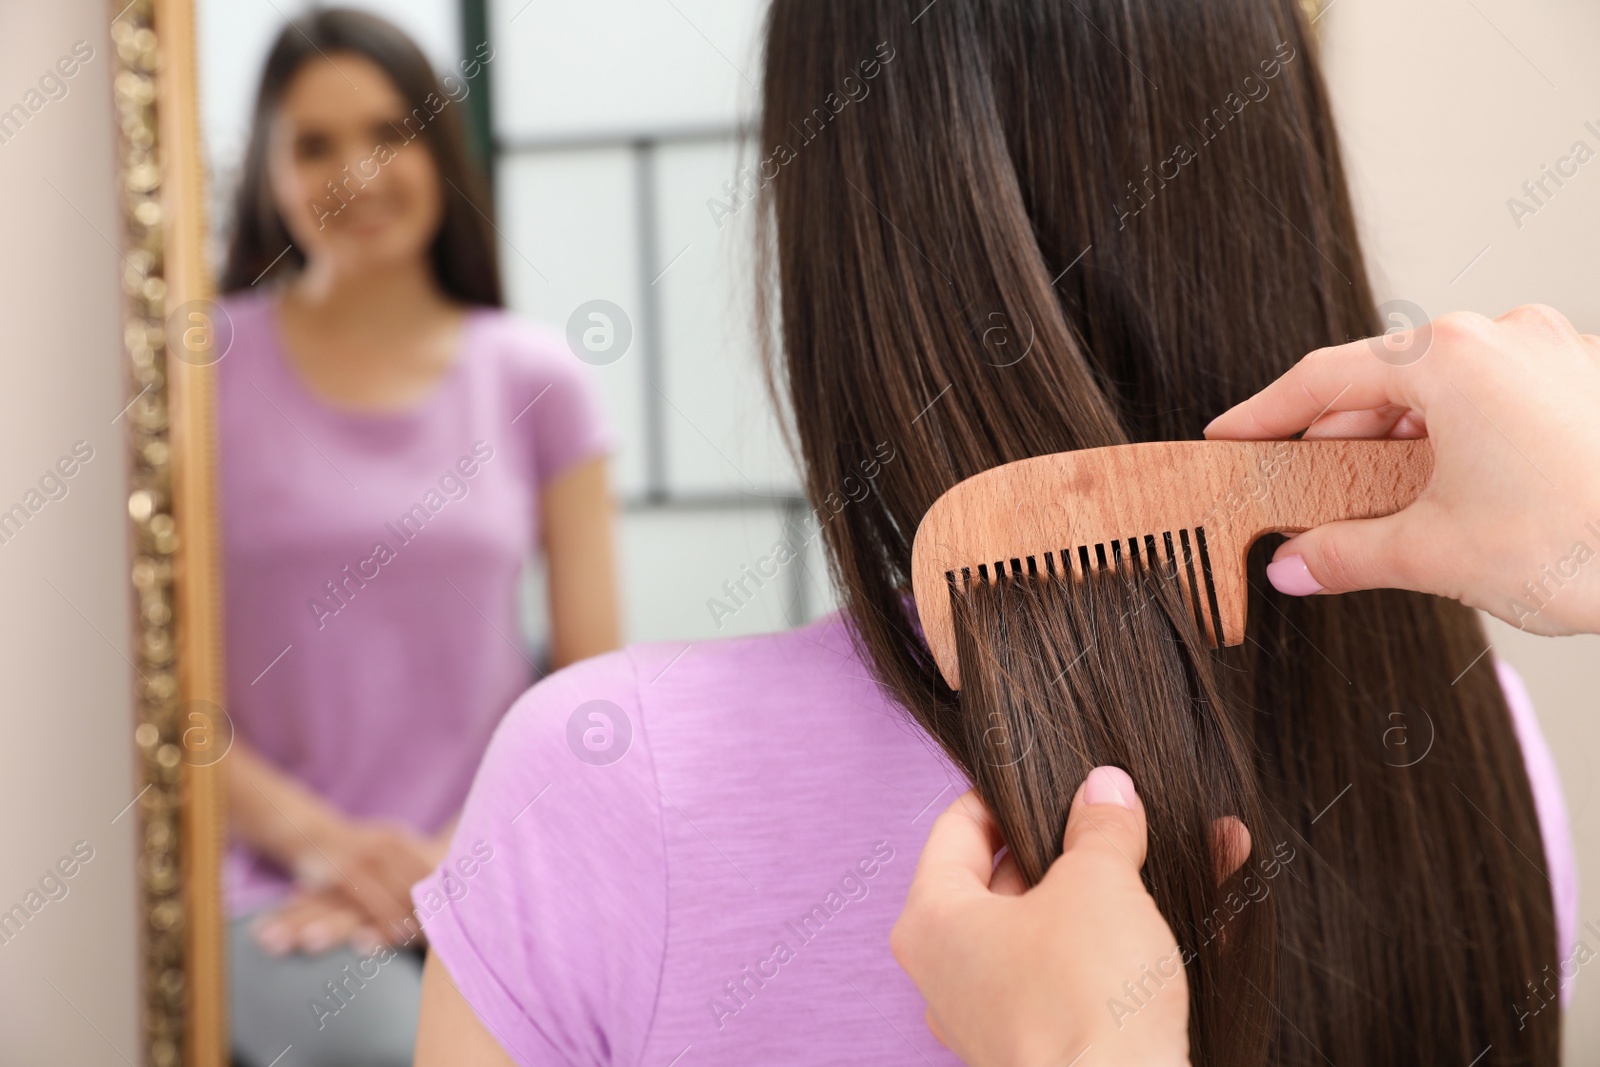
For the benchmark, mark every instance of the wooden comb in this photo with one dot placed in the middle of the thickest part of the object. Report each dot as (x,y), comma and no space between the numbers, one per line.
(1190,508)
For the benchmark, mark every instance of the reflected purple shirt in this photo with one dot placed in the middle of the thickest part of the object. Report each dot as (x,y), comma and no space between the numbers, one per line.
(371,565)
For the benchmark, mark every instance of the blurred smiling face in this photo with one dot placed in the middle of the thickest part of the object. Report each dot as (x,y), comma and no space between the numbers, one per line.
(344,112)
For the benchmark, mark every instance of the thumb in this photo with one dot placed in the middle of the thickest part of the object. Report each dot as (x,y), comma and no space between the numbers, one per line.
(1107,816)
(1341,557)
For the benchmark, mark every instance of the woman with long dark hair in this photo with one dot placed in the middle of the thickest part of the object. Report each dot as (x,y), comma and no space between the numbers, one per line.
(393,447)
(1145,203)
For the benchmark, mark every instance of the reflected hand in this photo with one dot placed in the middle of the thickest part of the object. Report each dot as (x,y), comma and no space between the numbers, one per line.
(373,866)
(1015,978)
(314,921)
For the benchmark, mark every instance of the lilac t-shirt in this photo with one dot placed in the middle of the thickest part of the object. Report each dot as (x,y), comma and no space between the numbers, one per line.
(693,854)
(371,565)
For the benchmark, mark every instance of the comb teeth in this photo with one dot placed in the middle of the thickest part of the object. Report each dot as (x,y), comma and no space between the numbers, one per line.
(1052,514)
(1183,558)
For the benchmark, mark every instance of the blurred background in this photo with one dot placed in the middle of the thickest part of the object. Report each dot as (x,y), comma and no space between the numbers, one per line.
(612,131)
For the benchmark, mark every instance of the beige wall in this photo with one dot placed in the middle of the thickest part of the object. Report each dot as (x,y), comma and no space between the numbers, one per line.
(67,978)
(1447,107)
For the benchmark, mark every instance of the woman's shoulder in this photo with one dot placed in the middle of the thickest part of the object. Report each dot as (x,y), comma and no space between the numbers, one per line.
(610,736)
(241,320)
(517,364)
(520,344)
(820,651)
(565,797)
(672,672)
(255,297)
(243,307)
(653,778)
(668,691)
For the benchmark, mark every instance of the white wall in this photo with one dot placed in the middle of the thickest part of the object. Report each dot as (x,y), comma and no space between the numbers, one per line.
(624,66)
(589,213)
(68,978)
(1446,108)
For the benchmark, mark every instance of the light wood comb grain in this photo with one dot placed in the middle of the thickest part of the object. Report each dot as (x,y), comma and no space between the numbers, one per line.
(1047,515)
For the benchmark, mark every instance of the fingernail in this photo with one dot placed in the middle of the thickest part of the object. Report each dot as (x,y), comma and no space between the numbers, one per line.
(316,938)
(1109,785)
(1290,577)
(1207,431)
(273,940)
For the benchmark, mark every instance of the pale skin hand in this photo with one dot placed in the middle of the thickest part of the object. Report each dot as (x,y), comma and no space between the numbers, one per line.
(365,868)
(316,920)
(1511,518)
(1018,979)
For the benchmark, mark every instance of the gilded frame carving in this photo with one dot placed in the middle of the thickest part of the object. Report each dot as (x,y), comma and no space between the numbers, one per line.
(180,732)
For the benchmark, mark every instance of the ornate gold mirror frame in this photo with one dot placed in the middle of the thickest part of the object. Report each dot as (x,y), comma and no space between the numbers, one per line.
(181,732)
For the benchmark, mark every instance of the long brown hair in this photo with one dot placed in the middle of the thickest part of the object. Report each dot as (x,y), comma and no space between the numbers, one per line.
(463,251)
(1057,225)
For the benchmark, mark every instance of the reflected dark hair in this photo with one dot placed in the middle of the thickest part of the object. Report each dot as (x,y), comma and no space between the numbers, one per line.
(1147,197)
(463,252)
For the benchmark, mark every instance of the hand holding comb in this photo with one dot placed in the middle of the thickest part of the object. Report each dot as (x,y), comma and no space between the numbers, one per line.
(1190,508)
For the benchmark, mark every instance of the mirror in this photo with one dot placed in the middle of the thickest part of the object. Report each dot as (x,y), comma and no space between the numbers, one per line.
(352,545)
(398,559)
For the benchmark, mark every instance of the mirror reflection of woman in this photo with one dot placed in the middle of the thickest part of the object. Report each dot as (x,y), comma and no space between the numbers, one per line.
(392,447)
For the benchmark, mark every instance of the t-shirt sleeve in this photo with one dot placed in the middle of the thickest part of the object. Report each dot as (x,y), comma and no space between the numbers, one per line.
(555,402)
(1554,828)
(556,937)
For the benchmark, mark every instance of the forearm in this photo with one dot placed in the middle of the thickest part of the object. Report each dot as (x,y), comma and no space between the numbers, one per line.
(271,812)
(584,620)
